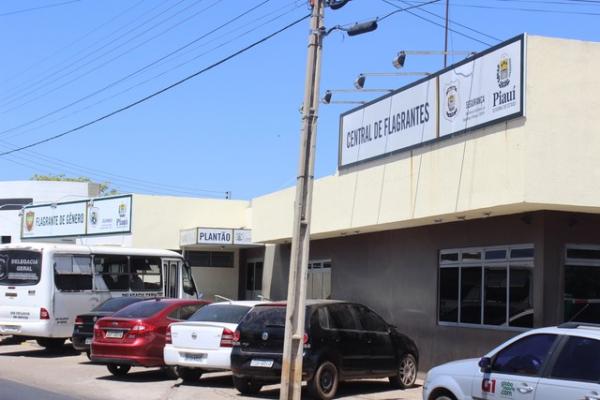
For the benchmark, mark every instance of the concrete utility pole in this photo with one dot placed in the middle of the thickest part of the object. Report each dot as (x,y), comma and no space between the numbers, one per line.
(446,35)
(293,348)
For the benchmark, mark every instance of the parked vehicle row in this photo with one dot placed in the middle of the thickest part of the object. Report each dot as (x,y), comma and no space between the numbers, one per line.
(189,337)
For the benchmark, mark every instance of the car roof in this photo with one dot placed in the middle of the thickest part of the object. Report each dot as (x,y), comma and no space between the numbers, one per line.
(248,303)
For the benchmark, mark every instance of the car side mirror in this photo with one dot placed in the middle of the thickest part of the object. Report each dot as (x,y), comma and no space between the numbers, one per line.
(485,364)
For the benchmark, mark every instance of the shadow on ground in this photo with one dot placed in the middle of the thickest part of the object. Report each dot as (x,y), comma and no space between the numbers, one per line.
(40,352)
(150,375)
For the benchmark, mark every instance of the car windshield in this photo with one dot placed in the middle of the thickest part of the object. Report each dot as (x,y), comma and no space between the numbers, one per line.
(20,267)
(116,303)
(220,313)
(143,309)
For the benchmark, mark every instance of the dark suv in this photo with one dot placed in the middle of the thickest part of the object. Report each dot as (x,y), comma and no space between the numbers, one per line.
(342,341)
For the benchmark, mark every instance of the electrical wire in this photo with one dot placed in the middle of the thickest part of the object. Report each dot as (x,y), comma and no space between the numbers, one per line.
(161,91)
(97,28)
(61,69)
(406,9)
(136,71)
(435,23)
(188,61)
(64,3)
(533,10)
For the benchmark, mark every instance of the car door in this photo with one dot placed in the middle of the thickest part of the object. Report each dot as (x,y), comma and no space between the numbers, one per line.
(350,340)
(575,373)
(382,357)
(515,369)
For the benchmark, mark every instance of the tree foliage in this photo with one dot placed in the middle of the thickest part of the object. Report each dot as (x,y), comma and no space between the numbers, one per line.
(105,189)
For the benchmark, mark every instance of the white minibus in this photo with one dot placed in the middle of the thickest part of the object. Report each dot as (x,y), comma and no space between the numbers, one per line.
(44,286)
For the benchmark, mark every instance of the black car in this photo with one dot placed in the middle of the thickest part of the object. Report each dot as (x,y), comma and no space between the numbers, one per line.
(343,341)
(83,331)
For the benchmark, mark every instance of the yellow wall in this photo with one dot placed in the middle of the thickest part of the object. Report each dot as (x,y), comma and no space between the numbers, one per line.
(549,159)
(157,220)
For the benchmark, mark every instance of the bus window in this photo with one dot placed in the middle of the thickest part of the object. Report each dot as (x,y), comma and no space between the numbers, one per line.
(145,273)
(188,283)
(72,273)
(20,267)
(114,270)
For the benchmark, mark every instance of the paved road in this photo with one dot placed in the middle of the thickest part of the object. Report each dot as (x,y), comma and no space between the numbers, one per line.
(68,373)
(12,391)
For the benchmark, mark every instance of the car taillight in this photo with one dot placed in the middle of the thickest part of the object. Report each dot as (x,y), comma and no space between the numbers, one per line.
(235,340)
(227,338)
(168,339)
(79,320)
(140,329)
(305,341)
(44,314)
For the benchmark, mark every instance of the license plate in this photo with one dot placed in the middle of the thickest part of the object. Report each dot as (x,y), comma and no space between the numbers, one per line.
(114,334)
(9,329)
(88,341)
(194,357)
(261,363)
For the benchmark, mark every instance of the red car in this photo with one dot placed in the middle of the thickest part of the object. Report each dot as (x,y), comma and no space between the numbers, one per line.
(135,335)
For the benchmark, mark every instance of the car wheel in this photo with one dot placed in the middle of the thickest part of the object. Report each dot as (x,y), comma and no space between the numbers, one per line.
(171,372)
(407,372)
(325,382)
(51,344)
(246,385)
(441,394)
(189,374)
(443,397)
(118,369)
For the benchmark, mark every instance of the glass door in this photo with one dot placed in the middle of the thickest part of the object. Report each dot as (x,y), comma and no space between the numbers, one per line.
(254,277)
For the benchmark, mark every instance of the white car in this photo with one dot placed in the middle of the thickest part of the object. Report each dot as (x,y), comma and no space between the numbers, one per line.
(558,363)
(204,341)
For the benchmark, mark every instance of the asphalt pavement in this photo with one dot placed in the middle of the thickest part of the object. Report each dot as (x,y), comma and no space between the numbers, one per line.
(28,371)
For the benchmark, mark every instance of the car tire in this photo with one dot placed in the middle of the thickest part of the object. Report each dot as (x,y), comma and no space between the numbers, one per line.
(246,386)
(189,374)
(325,381)
(170,372)
(442,395)
(88,354)
(118,369)
(407,372)
(51,343)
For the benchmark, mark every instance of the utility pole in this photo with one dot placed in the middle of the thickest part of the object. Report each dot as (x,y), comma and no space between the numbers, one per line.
(446,35)
(293,348)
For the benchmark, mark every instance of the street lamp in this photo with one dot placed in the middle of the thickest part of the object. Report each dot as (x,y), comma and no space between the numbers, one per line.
(293,346)
(400,59)
(359,83)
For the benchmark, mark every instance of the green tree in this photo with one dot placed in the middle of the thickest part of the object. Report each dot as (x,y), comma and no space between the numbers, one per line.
(105,189)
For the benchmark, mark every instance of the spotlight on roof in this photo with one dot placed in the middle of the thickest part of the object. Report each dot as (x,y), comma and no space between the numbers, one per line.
(399,60)
(359,83)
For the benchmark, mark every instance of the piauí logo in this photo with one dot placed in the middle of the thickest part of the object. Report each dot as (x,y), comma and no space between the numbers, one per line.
(503,71)
(122,210)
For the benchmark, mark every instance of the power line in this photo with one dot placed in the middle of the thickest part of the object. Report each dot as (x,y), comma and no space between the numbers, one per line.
(454,22)
(154,77)
(406,9)
(10,99)
(165,89)
(533,10)
(41,61)
(136,71)
(435,23)
(38,8)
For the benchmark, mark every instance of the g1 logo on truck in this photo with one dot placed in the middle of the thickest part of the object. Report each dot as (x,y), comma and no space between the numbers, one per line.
(488,386)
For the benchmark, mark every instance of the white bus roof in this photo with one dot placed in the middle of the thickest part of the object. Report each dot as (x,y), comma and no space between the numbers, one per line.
(82,249)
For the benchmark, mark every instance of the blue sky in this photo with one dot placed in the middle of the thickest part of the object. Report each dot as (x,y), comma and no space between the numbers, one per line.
(236,127)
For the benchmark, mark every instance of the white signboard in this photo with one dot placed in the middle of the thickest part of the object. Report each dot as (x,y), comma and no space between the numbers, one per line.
(242,236)
(63,219)
(482,91)
(187,237)
(215,236)
(110,215)
(395,122)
